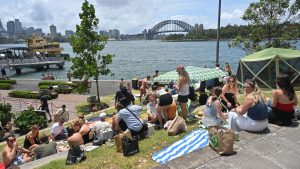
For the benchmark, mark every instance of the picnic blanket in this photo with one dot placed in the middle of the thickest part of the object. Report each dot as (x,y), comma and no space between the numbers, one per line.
(193,141)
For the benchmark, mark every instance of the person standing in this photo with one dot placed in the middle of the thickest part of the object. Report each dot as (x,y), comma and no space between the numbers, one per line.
(183,89)
(143,87)
(44,106)
(3,72)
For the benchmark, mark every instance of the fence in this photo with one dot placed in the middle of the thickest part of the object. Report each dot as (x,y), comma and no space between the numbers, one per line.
(19,104)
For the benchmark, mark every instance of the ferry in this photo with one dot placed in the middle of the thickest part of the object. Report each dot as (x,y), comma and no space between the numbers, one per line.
(41,45)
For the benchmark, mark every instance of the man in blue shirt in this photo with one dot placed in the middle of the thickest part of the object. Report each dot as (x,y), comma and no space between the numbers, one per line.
(128,117)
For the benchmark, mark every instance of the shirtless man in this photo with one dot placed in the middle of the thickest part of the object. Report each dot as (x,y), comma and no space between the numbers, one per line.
(143,87)
(13,154)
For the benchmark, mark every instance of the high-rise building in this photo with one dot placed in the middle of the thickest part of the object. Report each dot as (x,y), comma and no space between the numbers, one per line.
(38,31)
(68,33)
(18,27)
(11,28)
(103,33)
(114,34)
(1,26)
(29,31)
(53,31)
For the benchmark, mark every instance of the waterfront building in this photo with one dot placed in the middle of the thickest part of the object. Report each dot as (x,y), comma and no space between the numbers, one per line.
(68,33)
(18,27)
(53,31)
(114,34)
(39,31)
(103,33)
(11,28)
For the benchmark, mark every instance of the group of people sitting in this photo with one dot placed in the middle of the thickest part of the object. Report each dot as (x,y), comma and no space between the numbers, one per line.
(36,146)
(255,112)
(48,76)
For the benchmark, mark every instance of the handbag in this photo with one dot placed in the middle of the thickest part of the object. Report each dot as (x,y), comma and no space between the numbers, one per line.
(130,146)
(177,125)
(75,155)
(221,139)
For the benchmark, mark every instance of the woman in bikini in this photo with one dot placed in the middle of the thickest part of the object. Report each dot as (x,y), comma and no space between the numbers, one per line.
(229,93)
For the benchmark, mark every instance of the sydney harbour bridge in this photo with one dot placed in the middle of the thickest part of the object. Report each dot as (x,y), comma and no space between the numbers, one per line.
(168,26)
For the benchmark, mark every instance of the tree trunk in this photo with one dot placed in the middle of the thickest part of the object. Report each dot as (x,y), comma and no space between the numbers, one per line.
(97,86)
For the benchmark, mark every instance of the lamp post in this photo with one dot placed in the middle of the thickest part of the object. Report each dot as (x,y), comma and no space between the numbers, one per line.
(218,33)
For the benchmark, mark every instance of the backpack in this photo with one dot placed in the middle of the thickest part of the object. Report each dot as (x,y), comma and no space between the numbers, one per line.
(192,95)
(75,155)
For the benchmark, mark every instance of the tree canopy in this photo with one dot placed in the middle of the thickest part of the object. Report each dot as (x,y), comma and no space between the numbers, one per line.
(270,22)
(87,44)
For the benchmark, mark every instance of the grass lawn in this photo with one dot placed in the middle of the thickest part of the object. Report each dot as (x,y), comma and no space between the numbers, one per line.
(107,157)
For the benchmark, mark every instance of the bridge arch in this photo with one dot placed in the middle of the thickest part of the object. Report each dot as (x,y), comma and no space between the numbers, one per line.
(155,29)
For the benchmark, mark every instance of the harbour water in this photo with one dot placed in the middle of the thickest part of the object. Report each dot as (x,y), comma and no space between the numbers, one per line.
(142,58)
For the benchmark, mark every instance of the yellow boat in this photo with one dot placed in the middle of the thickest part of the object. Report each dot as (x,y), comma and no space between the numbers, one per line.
(41,45)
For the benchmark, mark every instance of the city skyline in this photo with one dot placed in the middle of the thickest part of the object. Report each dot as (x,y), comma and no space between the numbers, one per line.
(129,16)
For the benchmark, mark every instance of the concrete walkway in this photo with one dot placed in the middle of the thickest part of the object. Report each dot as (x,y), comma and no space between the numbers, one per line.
(70,100)
(277,148)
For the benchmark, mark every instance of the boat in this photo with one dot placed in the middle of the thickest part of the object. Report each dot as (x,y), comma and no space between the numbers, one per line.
(41,45)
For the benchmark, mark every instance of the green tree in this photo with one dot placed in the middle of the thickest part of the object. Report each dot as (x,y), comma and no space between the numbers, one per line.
(87,44)
(269,20)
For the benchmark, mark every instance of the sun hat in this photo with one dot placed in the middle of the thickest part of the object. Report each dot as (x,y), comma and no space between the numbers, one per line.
(102,115)
(179,67)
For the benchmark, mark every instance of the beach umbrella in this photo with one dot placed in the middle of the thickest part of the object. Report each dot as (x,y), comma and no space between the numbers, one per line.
(197,74)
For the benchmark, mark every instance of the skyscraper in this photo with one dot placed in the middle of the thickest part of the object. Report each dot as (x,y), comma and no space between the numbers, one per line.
(53,30)
(11,28)
(18,27)
(1,26)
(38,31)
(68,33)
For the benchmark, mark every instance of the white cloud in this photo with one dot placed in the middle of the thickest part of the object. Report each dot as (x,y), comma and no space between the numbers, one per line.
(129,16)
(237,13)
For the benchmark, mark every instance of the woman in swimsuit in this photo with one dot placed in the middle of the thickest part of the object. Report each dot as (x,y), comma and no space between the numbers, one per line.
(229,93)
(283,102)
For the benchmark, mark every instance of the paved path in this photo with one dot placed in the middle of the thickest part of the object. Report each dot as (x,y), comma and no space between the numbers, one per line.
(71,100)
(278,148)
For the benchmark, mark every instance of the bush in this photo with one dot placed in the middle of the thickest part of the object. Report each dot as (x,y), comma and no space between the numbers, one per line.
(86,108)
(9,81)
(63,90)
(26,94)
(5,86)
(25,119)
(5,114)
(53,83)
(63,87)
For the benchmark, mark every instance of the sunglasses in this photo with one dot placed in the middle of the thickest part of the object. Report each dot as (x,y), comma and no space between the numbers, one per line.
(231,81)
(12,140)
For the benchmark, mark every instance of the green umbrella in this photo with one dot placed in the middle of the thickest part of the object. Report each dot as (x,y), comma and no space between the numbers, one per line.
(197,74)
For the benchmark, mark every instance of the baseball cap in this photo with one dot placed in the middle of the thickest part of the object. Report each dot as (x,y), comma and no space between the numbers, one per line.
(102,115)
(179,67)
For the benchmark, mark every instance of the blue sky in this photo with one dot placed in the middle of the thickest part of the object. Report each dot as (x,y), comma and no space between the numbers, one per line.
(129,16)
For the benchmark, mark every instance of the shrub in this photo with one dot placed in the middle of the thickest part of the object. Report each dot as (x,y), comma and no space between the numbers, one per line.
(63,87)
(83,108)
(9,81)
(5,86)
(5,114)
(86,108)
(63,90)
(25,119)
(26,94)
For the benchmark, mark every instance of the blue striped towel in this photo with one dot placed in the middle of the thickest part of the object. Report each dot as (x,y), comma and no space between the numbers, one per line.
(193,141)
